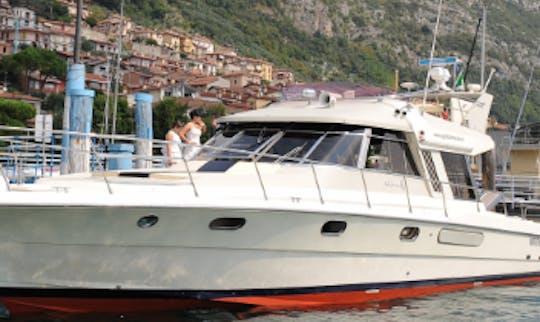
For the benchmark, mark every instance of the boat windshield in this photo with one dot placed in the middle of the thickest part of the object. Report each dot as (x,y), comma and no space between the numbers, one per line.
(291,143)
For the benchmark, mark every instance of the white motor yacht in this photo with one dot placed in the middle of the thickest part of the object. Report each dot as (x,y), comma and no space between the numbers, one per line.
(304,204)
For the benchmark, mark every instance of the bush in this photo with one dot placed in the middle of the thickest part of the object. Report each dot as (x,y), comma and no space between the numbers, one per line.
(15,113)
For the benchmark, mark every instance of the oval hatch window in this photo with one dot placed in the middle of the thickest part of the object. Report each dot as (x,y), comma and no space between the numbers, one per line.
(147,221)
(227,223)
(333,227)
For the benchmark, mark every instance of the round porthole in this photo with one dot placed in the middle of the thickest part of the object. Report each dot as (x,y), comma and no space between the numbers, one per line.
(147,221)
(409,233)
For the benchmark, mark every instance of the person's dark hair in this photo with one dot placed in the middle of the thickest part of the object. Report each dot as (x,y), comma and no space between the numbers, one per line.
(194,114)
(176,124)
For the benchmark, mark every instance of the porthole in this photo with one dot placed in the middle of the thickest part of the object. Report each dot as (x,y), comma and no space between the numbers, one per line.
(409,233)
(147,221)
(333,227)
(227,223)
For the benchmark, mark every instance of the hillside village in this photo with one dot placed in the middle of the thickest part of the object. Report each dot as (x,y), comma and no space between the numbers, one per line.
(163,63)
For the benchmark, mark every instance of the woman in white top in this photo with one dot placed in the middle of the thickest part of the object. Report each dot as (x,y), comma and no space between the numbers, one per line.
(173,151)
(191,134)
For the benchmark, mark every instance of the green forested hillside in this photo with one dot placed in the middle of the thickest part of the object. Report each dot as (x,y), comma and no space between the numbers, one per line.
(363,40)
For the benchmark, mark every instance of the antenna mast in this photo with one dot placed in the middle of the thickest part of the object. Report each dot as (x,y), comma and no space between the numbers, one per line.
(483,59)
(117,72)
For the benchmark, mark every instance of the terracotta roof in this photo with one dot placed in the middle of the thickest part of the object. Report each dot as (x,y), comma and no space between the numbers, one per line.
(235,74)
(202,81)
(16,96)
(197,102)
(95,78)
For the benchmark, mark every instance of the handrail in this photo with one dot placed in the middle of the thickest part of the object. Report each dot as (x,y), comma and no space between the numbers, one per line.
(365,188)
(107,182)
(317,184)
(190,176)
(260,180)
(6,180)
(408,196)
(22,158)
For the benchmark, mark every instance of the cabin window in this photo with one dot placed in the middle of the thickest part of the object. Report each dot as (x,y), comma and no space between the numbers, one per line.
(337,148)
(389,151)
(292,146)
(287,142)
(249,140)
(459,177)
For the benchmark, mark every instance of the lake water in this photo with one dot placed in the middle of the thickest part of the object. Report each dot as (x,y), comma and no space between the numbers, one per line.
(504,303)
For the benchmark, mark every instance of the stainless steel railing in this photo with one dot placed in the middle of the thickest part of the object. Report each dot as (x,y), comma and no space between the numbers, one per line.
(19,152)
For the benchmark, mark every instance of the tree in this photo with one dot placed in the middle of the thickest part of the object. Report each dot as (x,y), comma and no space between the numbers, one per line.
(125,116)
(165,113)
(54,103)
(151,42)
(91,21)
(49,9)
(26,61)
(50,65)
(87,46)
(35,59)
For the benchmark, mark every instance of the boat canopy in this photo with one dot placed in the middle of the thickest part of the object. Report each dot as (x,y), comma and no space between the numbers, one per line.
(432,133)
(371,112)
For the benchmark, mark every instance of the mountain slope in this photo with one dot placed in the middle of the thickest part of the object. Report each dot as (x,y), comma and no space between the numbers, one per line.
(365,40)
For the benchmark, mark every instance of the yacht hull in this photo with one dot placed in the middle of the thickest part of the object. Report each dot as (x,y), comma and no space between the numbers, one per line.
(88,259)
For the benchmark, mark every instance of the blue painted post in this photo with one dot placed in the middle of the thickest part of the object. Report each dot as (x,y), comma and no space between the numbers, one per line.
(80,120)
(144,130)
(51,160)
(74,81)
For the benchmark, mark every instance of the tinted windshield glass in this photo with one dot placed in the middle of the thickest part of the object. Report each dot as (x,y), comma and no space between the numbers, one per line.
(339,148)
(292,146)
(249,140)
(299,143)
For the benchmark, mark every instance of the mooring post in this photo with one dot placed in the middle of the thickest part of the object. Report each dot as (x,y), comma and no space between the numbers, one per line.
(74,81)
(145,134)
(80,120)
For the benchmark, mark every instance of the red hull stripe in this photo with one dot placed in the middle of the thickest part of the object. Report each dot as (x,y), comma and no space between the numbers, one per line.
(365,296)
(20,300)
